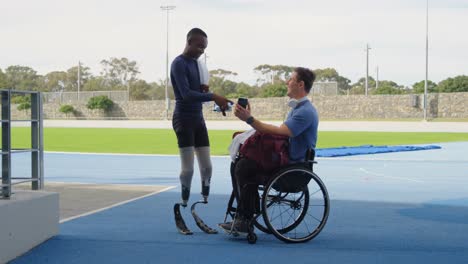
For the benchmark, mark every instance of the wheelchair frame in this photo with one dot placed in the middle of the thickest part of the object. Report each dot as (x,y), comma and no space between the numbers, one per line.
(281,190)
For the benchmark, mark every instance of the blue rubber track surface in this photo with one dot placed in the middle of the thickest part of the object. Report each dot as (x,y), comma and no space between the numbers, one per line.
(368,149)
(357,232)
(404,207)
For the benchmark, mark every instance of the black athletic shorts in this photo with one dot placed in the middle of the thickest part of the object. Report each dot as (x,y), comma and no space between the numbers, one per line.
(190,132)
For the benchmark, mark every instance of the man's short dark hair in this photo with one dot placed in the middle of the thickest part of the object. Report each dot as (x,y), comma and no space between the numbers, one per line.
(307,76)
(196,32)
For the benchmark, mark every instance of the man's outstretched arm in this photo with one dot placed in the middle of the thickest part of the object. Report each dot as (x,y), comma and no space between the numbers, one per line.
(244,115)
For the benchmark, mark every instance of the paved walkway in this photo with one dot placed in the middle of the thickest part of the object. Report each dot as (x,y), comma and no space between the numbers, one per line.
(78,199)
(457,127)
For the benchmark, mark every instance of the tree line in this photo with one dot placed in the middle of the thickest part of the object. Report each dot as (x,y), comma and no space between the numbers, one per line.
(122,74)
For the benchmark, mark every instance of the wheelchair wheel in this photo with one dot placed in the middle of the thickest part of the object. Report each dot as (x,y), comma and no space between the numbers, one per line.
(252,238)
(295,205)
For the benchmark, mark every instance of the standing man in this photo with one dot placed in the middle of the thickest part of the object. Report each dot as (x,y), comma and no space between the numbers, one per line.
(300,126)
(187,121)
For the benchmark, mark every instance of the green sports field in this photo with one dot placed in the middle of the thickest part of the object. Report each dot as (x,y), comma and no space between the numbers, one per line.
(163,141)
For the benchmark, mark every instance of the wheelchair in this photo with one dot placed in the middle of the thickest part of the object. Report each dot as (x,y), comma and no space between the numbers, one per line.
(293,203)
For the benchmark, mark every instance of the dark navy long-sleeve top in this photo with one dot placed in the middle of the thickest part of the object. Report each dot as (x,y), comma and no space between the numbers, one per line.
(185,79)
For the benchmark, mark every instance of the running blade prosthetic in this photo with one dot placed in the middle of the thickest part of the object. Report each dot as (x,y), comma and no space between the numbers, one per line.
(204,227)
(180,223)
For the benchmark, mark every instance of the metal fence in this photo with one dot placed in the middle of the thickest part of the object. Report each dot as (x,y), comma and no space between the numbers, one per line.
(36,150)
(325,88)
(69,97)
(322,88)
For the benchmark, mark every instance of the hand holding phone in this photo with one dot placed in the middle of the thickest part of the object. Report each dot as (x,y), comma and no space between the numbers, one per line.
(243,102)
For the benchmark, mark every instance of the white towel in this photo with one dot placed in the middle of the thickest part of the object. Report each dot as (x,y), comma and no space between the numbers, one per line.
(204,74)
(237,141)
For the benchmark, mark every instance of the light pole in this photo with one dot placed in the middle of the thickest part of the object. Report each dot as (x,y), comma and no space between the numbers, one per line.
(377,77)
(167,9)
(127,82)
(367,67)
(427,60)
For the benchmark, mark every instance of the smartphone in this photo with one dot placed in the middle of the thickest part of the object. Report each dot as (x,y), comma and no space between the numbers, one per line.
(243,102)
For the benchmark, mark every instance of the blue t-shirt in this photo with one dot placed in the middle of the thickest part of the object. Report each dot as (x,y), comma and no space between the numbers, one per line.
(302,121)
(185,79)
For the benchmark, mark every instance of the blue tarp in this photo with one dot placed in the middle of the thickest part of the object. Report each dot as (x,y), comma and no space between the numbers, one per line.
(368,149)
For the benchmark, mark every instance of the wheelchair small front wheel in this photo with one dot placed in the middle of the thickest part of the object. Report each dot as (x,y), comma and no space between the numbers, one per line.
(252,238)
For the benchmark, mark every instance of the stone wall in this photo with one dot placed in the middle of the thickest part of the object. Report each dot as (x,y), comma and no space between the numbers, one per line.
(452,105)
(448,105)
(370,107)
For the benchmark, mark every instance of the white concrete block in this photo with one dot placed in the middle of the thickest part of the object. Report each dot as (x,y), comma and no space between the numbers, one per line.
(27,219)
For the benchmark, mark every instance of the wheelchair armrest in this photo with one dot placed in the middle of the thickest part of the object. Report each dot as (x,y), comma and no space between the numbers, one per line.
(237,133)
(310,156)
(310,164)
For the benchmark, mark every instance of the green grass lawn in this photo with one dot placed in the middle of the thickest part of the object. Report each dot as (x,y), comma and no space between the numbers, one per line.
(163,141)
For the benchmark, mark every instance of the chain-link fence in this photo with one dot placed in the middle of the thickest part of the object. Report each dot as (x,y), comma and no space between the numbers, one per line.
(69,97)
(325,88)
(322,88)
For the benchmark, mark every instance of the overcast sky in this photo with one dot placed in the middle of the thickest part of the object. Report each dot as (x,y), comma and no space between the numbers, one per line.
(51,35)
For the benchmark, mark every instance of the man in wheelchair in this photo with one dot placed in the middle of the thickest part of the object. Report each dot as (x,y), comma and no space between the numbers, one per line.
(301,128)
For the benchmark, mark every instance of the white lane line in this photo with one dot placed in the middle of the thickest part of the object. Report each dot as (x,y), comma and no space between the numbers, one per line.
(391,177)
(102,184)
(125,154)
(111,154)
(351,158)
(114,205)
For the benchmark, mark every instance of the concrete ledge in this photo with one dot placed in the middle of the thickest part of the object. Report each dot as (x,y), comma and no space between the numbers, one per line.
(27,219)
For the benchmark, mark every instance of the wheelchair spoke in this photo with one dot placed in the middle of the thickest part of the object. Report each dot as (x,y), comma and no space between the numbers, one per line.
(319,221)
(307,226)
(285,210)
(281,213)
(316,219)
(319,190)
(281,218)
(291,216)
(271,220)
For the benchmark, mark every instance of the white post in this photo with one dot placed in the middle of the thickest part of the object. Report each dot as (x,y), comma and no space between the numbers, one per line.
(367,68)
(427,60)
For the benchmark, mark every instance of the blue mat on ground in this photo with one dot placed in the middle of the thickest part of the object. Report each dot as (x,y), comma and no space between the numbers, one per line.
(357,232)
(368,149)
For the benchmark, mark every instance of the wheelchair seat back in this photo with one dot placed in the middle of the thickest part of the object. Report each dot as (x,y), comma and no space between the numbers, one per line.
(293,179)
